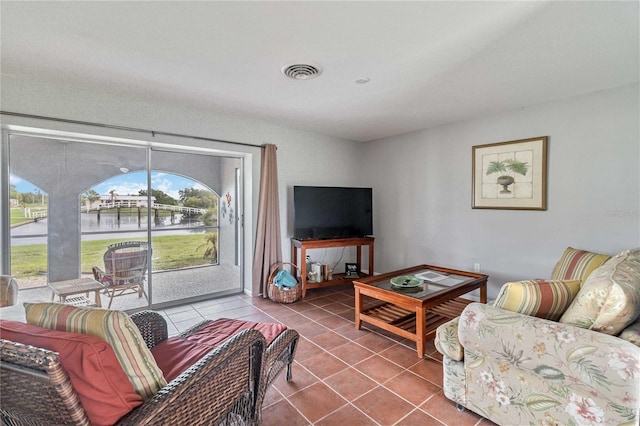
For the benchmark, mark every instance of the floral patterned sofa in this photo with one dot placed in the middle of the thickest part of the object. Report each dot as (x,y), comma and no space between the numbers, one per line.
(563,351)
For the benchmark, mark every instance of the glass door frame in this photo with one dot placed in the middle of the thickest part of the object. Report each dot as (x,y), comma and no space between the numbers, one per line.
(244,239)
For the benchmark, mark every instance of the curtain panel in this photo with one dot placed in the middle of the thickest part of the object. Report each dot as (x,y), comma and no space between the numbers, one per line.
(268,249)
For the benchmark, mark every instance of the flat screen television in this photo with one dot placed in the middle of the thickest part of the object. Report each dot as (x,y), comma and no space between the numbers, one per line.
(323,212)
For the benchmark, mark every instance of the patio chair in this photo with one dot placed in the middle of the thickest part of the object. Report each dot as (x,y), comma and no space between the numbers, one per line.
(125,268)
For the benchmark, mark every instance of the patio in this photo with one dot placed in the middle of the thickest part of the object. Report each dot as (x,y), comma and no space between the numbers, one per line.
(168,286)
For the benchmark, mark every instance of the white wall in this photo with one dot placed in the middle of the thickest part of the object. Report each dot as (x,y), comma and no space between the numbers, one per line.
(422,207)
(422,180)
(303,157)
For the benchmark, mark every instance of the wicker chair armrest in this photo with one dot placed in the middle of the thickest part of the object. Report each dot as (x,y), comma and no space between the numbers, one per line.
(220,388)
(98,274)
(152,326)
(36,388)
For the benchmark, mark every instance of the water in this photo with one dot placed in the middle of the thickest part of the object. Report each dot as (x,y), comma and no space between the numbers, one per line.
(128,226)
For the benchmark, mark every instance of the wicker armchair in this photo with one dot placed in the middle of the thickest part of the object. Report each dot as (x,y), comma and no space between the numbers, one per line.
(125,268)
(279,355)
(223,387)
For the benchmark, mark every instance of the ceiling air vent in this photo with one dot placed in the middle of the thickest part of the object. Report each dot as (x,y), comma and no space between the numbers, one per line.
(302,71)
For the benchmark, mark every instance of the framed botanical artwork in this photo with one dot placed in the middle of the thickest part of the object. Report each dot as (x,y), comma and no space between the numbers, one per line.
(511,175)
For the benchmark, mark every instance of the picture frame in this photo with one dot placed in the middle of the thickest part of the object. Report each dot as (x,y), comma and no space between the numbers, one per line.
(352,270)
(510,175)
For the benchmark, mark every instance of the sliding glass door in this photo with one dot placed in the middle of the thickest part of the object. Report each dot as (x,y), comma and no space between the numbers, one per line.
(194,250)
(70,200)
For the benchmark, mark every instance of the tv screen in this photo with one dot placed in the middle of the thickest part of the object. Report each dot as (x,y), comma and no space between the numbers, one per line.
(322,212)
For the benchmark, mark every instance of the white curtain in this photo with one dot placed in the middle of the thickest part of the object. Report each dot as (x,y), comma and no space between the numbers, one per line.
(268,243)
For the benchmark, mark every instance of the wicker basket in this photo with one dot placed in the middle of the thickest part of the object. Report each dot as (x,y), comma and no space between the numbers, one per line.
(284,295)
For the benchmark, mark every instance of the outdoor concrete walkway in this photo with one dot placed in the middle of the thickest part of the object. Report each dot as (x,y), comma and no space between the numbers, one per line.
(168,286)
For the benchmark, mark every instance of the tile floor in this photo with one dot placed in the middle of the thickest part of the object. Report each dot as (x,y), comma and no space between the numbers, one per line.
(341,376)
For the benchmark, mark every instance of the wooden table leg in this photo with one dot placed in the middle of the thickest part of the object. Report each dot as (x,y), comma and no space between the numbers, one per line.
(358,308)
(98,299)
(303,269)
(483,293)
(420,330)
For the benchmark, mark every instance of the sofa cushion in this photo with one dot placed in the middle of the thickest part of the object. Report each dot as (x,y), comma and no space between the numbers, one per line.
(609,300)
(576,264)
(546,299)
(216,332)
(114,327)
(93,368)
(178,353)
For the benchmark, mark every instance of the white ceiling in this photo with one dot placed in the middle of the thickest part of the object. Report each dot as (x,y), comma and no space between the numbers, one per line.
(429,63)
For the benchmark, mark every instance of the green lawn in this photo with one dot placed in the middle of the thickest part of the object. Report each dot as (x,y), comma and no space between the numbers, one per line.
(169,252)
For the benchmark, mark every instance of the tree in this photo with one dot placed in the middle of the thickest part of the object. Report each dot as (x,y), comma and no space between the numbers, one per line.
(90,195)
(198,198)
(211,246)
(161,197)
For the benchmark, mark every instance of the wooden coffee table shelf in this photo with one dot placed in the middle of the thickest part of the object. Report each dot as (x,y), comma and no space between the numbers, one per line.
(415,315)
(405,319)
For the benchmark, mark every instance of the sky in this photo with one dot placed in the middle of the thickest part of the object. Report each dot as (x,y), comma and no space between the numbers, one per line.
(128,184)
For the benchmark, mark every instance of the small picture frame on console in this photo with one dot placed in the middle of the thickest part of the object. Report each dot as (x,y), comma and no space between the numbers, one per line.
(352,270)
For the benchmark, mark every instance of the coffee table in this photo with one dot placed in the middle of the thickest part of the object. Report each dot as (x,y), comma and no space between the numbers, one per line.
(415,312)
(64,289)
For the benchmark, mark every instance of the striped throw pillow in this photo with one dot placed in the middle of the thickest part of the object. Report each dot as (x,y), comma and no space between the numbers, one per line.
(576,264)
(114,327)
(538,298)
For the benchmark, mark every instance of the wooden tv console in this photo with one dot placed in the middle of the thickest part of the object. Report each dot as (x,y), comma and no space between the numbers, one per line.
(304,245)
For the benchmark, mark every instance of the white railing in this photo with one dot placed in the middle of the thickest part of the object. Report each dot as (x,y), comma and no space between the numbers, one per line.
(164,207)
(36,214)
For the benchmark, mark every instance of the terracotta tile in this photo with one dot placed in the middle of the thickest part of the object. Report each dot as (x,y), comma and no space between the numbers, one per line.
(329,340)
(282,413)
(271,397)
(485,422)
(324,365)
(301,306)
(375,342)
(301,379)
(378,368)
(336,307)
(419,417)
(436,355)
(310,329)
(306,349)
(350,383)
(321,301)
(316,401)
(316,314)
(401,355)
(351,332)
(383,406)
(411,387)
(429,369)
(348,416)
(349,315)
(334,321)
(290,318)
(351,353)
(443,409)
